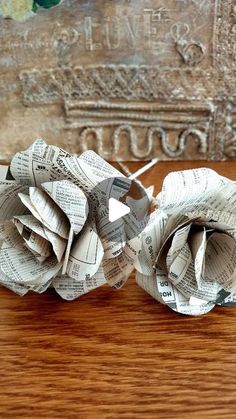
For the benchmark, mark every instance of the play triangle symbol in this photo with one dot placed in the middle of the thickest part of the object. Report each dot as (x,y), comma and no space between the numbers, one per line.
(116,210)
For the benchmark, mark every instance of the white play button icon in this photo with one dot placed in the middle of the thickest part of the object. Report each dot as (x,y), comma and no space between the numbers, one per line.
(117,210)
(120,207)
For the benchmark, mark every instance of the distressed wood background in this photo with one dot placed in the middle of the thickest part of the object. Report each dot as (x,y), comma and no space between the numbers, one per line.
(132,79)
(116,354)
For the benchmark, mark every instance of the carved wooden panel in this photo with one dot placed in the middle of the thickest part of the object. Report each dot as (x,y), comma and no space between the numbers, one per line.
(132,79)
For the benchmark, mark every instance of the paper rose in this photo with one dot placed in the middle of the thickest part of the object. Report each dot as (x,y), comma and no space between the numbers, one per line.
(188,256)
(49,234)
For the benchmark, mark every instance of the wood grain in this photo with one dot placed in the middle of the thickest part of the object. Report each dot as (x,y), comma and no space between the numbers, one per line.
(116,354)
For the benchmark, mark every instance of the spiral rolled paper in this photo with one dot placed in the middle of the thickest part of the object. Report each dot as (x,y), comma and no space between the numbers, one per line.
(55,232)
(49,231)
(188,254)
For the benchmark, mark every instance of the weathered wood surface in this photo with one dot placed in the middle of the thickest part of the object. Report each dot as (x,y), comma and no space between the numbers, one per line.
(116,354)
(132,79)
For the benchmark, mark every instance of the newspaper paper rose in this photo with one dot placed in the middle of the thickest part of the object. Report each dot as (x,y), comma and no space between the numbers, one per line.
(188,256)
(49,237)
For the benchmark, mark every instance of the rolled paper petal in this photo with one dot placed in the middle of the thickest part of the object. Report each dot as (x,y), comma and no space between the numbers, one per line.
(96,167)
(22,267)
(38,164)
(151,240)
(189,188)
(111,246)
(149,284)
(179,240)
(41,287)
(86,255)
(10,236)
(223,220)
(19,289)
(183,277)
(181,303)
(37,244)
(161,289)
(58,223)
(69,288)
(118,270)
(51,215)
(220,261)
(198,244)
(57,242)
(72,201)
(87,170)
(9,199)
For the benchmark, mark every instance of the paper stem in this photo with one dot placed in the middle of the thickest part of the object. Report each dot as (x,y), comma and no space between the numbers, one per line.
(143,169)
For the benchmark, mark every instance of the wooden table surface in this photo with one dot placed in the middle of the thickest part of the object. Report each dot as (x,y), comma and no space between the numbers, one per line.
(116,354)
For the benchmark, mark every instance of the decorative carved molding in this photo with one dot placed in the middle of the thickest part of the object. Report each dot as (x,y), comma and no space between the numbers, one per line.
(228,130)
(155,122)
(145,83)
